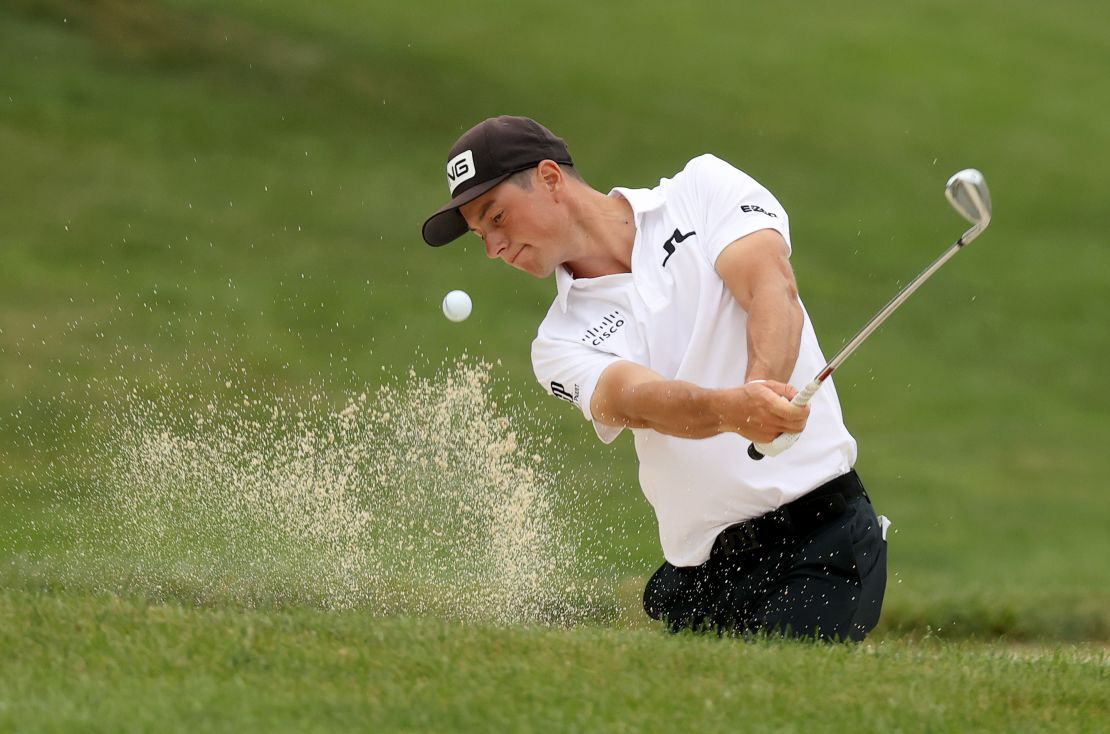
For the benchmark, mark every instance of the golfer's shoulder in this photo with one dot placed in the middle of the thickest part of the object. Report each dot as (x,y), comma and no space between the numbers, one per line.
(572,329)
(704,173)
(709,164)
(558,348)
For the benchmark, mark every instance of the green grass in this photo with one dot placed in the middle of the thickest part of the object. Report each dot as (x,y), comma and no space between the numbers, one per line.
(219,199)
(223,669)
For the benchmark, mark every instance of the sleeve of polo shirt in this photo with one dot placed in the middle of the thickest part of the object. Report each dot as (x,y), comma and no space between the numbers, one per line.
(733,205)
(570,372)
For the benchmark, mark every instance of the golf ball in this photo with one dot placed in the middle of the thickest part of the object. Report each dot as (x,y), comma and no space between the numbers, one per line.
(457,305)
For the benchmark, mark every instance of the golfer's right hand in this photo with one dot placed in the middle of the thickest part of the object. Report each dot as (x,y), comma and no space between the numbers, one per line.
(761,410)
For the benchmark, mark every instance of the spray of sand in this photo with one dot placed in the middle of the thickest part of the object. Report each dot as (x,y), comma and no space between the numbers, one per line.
(425,496)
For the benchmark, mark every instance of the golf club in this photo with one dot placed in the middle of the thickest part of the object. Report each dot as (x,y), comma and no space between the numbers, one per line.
(967,191)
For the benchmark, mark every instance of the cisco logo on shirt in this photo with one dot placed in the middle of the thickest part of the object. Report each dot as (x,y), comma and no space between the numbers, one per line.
(611,324)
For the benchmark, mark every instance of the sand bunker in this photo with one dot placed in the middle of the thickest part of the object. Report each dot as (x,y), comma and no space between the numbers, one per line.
(421,497)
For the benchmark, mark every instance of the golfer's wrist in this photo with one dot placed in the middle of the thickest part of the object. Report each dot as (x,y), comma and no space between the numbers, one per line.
(716,409)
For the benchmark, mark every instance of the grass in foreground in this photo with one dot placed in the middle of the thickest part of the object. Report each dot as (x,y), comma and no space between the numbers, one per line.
(111,663)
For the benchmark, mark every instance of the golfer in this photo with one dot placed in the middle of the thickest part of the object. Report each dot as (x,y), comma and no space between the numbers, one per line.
(676,316)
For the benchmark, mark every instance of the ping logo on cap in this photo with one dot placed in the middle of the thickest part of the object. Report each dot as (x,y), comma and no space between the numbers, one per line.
(459,169)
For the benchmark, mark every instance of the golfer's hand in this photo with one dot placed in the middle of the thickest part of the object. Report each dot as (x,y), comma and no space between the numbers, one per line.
(761,410)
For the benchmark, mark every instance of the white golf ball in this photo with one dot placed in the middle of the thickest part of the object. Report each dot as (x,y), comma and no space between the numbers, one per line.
(457,305)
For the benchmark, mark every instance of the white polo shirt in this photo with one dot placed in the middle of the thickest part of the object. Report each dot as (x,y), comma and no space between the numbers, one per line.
(675,315)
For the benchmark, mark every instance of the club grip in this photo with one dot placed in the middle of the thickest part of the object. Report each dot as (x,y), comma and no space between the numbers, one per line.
(783,441)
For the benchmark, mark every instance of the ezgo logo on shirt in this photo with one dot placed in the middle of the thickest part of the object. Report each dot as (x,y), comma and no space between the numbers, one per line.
(608,326)
(749,208)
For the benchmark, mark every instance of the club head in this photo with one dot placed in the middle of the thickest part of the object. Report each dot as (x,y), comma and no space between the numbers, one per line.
(968,193)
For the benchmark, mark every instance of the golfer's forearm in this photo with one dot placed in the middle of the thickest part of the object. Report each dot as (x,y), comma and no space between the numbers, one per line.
(674,407)
(774,334)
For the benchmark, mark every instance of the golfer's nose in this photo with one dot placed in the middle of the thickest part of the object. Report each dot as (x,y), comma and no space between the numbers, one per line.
(496,243)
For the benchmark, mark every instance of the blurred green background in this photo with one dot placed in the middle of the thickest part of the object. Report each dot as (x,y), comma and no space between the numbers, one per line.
(195,188)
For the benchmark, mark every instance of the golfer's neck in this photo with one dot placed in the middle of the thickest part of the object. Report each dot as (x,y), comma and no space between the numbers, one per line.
(606,232)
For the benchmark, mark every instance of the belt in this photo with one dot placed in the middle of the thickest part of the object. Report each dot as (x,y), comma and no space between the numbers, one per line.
(793,520)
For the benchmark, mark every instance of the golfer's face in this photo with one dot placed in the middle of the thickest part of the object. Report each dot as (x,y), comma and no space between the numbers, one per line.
(517,225)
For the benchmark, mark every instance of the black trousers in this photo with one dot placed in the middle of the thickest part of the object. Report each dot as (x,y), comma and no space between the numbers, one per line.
(825,584)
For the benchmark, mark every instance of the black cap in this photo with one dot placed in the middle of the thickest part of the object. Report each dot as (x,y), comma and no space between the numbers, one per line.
(483,157)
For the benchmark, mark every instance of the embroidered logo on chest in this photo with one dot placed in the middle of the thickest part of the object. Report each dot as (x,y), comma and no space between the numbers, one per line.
(675,239)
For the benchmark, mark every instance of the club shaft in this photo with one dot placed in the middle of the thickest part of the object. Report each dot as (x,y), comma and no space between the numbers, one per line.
(898,299)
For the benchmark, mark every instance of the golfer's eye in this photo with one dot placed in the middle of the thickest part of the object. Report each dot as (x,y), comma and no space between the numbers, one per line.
(499,217)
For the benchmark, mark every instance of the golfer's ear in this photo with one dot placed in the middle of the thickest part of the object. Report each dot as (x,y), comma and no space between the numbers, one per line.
(550,175)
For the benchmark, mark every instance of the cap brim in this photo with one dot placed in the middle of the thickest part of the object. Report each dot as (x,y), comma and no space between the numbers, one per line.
(447,225)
